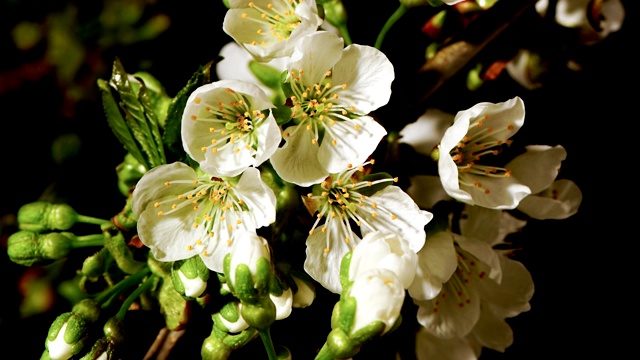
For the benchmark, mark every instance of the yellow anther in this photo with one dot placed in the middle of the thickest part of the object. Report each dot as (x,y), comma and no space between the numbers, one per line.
(156,204)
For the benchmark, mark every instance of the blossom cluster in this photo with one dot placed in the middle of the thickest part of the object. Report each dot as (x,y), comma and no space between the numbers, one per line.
(279,150)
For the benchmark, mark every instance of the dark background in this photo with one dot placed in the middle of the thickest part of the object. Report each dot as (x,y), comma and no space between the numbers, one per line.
(579,265)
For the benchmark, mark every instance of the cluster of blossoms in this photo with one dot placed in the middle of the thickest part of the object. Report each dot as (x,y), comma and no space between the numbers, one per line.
(278,150)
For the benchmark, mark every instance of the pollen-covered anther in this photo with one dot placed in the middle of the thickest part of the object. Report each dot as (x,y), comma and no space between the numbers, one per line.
(194,118)
(326,250)
(156,204)
(197,100)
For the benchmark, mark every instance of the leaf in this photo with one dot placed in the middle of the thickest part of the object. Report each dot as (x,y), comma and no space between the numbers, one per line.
(154,125)
(118,125)
(171,137)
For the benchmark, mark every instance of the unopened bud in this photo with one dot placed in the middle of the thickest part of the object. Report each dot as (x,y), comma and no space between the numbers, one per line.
(43,216)
(30,248)
(67,336)
(190,277)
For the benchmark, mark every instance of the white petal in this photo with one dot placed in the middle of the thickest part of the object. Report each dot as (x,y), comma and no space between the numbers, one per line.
(410,221)
(151,186)
(297,161)
(283,303)
(426,190)
(430,347)
(325,267)
(538,167)
(510,297)
(313,59)
(258,197)
(437,261)
(355,140)
(484,253)
(559,201)
(448,318)
(425,133)
(368,74)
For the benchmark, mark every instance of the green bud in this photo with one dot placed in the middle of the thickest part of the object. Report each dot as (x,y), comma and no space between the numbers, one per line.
(214,349)
(67,336)
(42,216)
(88,309)
(29,248)
(95,265)
(342,347)
(259,315)
(114,330)
(335,13)
(474,79)
(228,319)
(129,172)
(190,277)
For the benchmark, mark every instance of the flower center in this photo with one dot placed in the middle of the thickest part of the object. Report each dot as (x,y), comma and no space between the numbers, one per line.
(277,21)
(218,210)
(341,204)
(480,141)
(231,122)
(318,106)
(457,289)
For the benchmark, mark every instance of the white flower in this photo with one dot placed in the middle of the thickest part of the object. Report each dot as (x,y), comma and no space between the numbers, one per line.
(342,201)
(305,293)
(334,88)
(379,296)
(182,214)
(437,260)
(235,65)
(227,127)
(477,132)
(594,19)
(526,68)
(269,29)
(386,251)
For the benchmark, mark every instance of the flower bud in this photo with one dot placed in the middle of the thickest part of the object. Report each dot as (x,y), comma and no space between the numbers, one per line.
(30,248)
(103,349)
(129,172)
(379,295)
(283,303)
(228,319)
(261,314)
(88,309)
(190,277)
(114,330)
(67,336)
(385,251)
(335,13)
(248,267)
(42,216)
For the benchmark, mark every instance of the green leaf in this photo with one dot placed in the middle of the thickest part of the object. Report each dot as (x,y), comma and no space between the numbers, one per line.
(134,115)
(118,125)
(154,125)
(171,137)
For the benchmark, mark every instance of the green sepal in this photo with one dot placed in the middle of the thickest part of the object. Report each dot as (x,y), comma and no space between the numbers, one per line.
(243,285)
(226,268)
(346,312)
(344,271)
(370,190)
(368,332)
(191,268)
(76,332)
(214,348)
(172,129)
(341,345)
(259,315)
(266,74)
(228,312)
(129,171)
(42,216)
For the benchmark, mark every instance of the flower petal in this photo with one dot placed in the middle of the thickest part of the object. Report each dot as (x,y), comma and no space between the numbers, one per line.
(324,267)
(437,261)
(297,161)
(315,60)
(559,201)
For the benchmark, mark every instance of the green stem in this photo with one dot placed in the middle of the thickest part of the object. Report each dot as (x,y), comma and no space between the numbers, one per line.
(265,335)
(400,11)
(93,220)
(344,32)
(88,240)
(104,299)
(325,353)
(134,295)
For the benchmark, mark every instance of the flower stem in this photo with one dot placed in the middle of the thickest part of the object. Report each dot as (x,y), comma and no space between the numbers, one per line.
(93,220)
(344,32)
(265,335)
(104,299)
(325,353)
(88,240)
(134,295)
(401,10)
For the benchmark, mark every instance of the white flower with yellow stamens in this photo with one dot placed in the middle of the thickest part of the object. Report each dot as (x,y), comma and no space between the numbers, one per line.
(348,207)
(476,133)
(227,126)
(333,89)
(182,213)
(269,29)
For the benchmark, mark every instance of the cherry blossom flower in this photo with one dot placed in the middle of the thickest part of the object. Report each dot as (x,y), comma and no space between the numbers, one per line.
(345,200)
(227,126)
(270,29)
(333,89)
(183,213)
